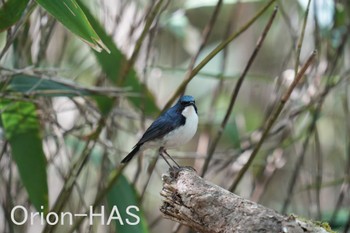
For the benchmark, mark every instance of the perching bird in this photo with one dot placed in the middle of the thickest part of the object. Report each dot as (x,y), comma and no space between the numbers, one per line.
(174,127)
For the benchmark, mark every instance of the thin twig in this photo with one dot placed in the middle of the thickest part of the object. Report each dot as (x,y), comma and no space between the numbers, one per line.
(150,172)
(46,31)
(116,173)
(319,172)
(315,116)
(213,53)
(345,186)
(206,33)
(129,64)
(112,178)
(155,222)
(236,91)
(301,39)
(317,31)
(288,22)
(299,162)
(271,121)
(151,39)
(70,182)
(11,38)
(218,89)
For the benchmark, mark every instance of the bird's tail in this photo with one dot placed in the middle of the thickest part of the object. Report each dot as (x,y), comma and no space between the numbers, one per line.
(131,154)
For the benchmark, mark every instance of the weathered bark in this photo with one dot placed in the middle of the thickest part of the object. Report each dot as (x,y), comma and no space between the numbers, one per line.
(205,207)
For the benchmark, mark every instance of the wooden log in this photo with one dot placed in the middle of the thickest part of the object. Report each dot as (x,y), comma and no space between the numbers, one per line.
(206,207)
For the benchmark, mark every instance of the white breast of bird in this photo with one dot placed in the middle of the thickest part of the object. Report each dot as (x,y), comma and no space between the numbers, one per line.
(184,133)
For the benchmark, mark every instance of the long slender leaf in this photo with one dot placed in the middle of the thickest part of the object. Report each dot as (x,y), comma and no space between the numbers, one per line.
(50,87)
(38,86)
(72,17)
(122,201)
(22,130)
(11,12)
(33,85)
(111,64)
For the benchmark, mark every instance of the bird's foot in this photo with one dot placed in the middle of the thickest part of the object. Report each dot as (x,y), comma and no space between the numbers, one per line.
(174,171)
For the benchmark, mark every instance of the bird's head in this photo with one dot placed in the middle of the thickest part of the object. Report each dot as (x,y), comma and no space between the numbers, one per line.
(186,101)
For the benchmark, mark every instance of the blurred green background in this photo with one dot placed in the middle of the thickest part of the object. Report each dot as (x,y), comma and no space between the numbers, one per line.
(80,81)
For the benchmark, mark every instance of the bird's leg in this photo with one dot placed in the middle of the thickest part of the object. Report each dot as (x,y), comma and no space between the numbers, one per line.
(171,158)
(161,151)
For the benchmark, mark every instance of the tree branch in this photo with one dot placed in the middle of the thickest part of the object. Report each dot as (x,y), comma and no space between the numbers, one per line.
(205,207)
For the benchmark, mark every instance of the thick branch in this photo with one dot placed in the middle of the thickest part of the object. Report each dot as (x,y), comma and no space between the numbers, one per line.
(205,207)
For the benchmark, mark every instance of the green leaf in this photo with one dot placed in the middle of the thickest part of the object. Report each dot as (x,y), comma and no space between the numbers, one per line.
(233,133)
(10,12)
(111,64)
(340,16)
(39,86)
(122,200)
(104,103)
(50,87)
(22,130)
(69,13)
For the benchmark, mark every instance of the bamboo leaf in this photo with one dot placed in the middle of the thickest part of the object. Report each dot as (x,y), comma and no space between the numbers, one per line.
(22,130)
(38,86)
(69,13)
(51,87)
(10,12)
(122,200)
(111,64)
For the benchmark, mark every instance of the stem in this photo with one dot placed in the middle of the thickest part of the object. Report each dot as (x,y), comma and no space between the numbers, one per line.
(236,91)
(301,38)
(271,121)
(129,64)
(213,53)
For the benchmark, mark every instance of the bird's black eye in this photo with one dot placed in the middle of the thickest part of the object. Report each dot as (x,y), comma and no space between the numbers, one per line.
(186,103)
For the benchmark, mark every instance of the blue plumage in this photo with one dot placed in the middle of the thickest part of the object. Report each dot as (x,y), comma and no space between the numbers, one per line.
(174,127)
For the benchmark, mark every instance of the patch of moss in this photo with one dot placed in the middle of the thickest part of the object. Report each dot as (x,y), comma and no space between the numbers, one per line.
(323,225)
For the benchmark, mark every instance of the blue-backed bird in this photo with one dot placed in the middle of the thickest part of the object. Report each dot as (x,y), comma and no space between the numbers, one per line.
(173,128)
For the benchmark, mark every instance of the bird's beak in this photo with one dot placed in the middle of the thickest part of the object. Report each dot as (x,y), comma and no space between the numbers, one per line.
(193,104)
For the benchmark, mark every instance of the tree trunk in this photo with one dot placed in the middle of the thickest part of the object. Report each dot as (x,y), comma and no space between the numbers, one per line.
(205,207)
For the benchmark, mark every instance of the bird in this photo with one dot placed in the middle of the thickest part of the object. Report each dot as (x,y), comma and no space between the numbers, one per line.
(173,128)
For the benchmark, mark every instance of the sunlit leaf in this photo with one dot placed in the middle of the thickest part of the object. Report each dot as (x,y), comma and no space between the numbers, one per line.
(69,13)
(10,12)
(22,130)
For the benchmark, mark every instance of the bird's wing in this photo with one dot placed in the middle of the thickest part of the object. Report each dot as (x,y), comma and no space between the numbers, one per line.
(161,127)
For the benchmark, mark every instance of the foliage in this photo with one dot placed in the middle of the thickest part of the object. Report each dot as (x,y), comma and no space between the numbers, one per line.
(81,80)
